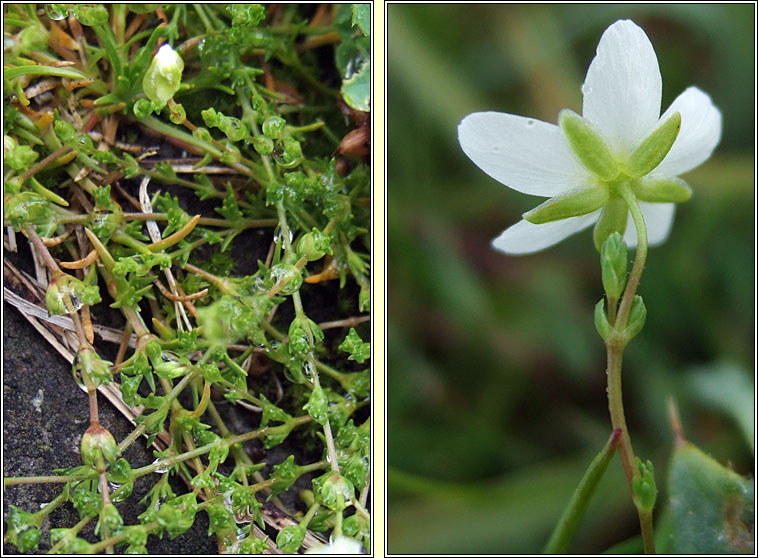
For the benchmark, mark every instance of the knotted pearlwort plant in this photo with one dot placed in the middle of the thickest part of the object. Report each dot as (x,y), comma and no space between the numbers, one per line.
(143,146)
(617,166)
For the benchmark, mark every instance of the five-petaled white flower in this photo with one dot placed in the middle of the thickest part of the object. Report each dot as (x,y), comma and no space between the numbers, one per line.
(340,545)
(621,142)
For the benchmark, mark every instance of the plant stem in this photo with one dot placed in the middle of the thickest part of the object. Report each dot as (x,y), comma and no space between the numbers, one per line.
(615,348)
(640,256)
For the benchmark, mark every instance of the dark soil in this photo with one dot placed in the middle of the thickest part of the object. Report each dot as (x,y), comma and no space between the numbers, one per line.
(44,416)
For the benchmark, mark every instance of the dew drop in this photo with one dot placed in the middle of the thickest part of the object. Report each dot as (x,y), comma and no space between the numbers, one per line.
(259,284)
(278,237)
(75,301)
(586,89)
(169,357)
(530,123)
(162,468)
(56,12)
(308,369)
(79,380)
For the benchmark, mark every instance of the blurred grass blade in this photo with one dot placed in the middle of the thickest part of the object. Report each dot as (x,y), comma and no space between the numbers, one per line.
(576,507)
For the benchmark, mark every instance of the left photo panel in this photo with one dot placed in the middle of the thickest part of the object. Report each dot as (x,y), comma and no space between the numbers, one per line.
(187,279)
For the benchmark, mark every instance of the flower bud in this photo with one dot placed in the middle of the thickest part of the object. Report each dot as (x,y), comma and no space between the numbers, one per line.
(110,519)
(289,276)
(177,113)
(170,370)
(292,154)
(316,406)
(333,491)
(66,293)
(273,127)
(654,148)
(612,219)
(643,486)
(27,208)
(613,264)
(263,144)
(290,539)
(98,441)
(588,145)
(304,334)
(164,75)
(94,370)
(314,245)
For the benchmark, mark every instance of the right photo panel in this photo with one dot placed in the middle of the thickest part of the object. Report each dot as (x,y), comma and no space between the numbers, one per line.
(570,196)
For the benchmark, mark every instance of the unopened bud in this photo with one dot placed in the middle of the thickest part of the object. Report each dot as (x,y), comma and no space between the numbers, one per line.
(98,441)
(164,75)
(612,219)
(314,245)
(643,485)
(334,491)
(290,539)
(613,263)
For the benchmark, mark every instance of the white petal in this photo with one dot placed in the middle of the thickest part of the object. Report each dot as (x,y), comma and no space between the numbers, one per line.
(658,220)
(526,238)
(622,90)
(698,137)
(525,154)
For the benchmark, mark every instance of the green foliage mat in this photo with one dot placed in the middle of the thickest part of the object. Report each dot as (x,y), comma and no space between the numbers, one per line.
(194,183)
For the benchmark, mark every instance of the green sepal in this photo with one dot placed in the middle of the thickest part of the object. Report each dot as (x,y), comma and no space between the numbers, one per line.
(573,204)
(612,219)
(588,145)
(604,328)
(662,190)
(654,148)
(613,263)
(636,319)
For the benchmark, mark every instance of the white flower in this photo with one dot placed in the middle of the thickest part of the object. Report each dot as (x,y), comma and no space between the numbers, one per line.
(621,138)
(340,545)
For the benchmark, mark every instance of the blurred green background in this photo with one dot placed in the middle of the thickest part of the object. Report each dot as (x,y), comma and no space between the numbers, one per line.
(495,378)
